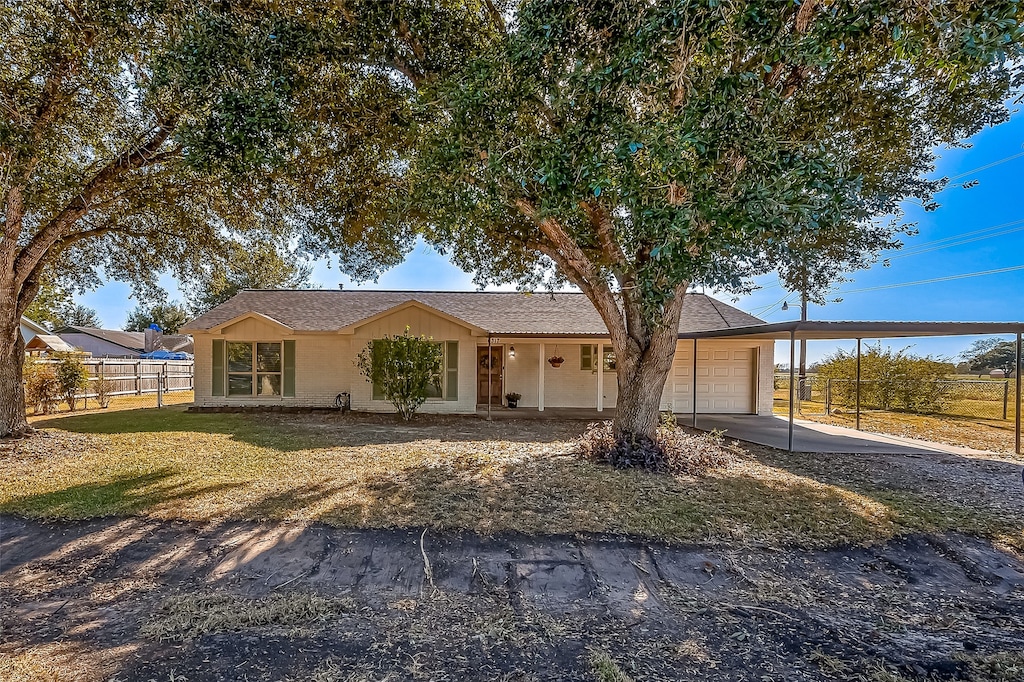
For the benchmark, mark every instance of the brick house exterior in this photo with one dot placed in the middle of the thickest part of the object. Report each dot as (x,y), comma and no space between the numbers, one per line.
(298,348)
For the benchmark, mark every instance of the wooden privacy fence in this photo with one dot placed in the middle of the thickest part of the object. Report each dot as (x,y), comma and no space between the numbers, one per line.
(138,377)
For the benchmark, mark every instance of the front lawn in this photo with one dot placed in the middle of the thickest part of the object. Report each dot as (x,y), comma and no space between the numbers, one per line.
(454,473)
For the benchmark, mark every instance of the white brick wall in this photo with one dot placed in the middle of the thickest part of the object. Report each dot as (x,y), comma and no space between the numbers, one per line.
(325,366)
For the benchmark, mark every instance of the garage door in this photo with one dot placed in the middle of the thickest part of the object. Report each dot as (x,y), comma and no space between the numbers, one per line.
(725,380)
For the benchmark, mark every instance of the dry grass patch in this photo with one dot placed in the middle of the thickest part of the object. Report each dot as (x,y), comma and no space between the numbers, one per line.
(993,435)
(605,668)
(188,616)
(370,471)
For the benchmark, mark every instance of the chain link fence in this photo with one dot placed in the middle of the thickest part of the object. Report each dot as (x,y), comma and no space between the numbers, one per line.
(980,399)
(115,384)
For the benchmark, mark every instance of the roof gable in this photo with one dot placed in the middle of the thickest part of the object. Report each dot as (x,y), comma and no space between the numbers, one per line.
(411,303)
(251,315)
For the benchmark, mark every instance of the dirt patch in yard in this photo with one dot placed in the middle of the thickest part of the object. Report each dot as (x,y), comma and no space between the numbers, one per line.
(142,599)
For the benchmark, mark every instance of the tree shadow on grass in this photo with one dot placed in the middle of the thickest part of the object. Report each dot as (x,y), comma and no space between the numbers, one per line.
(120,496)
(293,432)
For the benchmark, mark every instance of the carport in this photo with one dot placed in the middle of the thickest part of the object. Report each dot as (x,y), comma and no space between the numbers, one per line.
(839,331)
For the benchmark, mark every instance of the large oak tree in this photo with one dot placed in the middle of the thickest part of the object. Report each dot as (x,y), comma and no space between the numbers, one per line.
(635,148)
(141,136)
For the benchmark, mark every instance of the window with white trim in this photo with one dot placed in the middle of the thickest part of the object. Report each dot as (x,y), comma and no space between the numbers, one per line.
(254,368)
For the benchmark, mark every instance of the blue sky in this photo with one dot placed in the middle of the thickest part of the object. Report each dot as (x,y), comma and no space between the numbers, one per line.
(997,297)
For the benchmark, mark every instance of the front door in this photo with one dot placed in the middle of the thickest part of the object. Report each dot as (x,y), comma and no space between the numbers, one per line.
(488,374)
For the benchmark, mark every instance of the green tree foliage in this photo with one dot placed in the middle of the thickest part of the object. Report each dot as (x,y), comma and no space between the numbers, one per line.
(989,354)
(72,378)
(142,137)
(403,368)
(634,148)
(890,379)
(77,315)
(260,266)
(169,316)
(54,308)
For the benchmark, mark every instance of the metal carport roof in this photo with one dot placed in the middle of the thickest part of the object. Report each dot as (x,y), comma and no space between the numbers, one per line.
(821,330)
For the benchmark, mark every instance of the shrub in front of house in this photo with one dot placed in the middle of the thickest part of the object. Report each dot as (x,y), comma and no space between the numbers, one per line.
(403,368)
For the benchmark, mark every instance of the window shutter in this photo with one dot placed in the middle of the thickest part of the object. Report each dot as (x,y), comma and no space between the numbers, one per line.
(288,370)
(375,357)
(586,357)
(452,370)
(218,367)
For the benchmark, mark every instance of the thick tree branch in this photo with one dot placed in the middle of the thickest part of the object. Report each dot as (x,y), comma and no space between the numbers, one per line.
(580,269)
(144,155)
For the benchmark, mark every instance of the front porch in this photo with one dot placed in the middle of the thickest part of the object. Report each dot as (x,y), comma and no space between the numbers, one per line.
(571,413)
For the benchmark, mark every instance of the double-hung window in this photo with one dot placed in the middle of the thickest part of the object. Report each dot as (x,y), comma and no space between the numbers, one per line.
(253,368)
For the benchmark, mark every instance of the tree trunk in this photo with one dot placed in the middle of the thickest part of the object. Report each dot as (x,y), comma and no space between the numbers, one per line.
(642,368)
(641,381)
(12,361)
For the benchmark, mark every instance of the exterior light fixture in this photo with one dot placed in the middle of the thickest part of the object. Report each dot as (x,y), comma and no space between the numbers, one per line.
(785,305)
(511,351)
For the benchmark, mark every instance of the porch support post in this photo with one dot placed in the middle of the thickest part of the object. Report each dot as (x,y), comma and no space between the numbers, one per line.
(792,379)
(693,396)
(600,376)
(489,378)
(857,388)
(540,379)
(1018,373)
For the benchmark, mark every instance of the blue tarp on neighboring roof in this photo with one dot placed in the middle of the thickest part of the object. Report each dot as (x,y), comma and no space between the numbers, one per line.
(165,355)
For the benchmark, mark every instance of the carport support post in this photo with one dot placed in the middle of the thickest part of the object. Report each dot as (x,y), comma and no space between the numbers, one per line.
(1018,373)
(540,379)
(857,387)
(792,387)
(693,396)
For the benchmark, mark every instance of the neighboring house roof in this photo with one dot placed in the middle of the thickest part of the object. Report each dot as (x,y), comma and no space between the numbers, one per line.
(504,313)
(50,342)
(176,343)
(135,341)
(34,326)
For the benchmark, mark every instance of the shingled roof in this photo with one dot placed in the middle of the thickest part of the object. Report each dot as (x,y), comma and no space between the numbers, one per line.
(499,313)
(131,340)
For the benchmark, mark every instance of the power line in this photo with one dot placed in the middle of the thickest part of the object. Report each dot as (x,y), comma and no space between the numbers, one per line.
(986,166)
(934,280)
(961,239)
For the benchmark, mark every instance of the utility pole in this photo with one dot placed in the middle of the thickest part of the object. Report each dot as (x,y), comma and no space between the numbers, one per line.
(804,393)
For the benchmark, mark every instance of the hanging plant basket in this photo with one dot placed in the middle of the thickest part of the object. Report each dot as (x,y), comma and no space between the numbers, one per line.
(556,360)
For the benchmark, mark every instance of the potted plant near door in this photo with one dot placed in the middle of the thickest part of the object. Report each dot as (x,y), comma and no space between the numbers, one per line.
(556,360)
(512,399)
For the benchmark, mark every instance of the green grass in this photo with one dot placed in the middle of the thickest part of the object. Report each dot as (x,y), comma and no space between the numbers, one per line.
(464,473)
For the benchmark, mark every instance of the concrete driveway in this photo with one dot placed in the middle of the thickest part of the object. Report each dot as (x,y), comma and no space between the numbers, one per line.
(813,437)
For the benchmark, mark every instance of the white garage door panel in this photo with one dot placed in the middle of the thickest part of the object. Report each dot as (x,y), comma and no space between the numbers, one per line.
(725,381)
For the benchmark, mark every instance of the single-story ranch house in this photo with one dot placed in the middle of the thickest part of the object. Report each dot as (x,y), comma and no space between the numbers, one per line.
(298,348)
